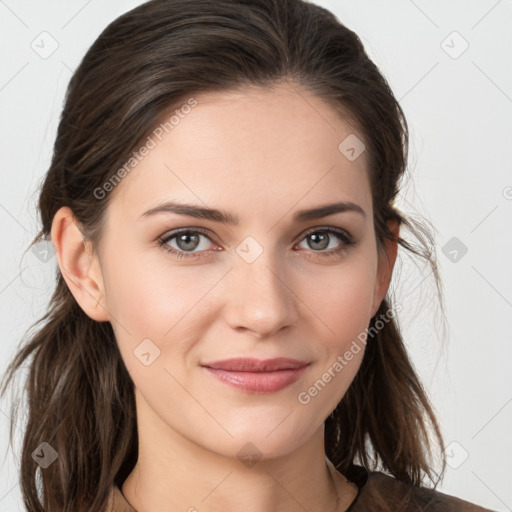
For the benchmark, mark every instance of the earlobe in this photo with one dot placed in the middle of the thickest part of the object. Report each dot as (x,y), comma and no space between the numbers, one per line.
(78,264)
(385,267)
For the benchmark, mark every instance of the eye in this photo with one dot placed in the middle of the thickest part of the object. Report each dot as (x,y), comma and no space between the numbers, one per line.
(185,241)
(189,243)
(320,239)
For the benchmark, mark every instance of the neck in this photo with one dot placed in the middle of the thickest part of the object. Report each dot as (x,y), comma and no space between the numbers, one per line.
(173,473)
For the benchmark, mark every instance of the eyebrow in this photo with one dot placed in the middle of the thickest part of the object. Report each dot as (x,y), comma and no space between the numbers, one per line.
(225,217)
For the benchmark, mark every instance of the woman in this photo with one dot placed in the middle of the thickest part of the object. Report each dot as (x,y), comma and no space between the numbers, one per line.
(220,203)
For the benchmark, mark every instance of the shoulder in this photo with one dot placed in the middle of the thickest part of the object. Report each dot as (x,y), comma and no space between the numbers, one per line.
(379,491)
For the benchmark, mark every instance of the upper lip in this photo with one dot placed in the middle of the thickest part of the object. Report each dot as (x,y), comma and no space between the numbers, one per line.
(246,364)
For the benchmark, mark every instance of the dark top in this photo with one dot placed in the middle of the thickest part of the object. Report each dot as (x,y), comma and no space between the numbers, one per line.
(378,492)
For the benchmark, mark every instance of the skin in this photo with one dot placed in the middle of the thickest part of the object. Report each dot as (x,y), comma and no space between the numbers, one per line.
(261,155)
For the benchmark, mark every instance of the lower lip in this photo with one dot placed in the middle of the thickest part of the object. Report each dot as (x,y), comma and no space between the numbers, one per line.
(258,382)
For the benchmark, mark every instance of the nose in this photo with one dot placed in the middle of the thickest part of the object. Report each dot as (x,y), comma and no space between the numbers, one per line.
(260,294)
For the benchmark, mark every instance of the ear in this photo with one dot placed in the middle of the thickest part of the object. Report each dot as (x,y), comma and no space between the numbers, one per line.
(78,264)
(386,263)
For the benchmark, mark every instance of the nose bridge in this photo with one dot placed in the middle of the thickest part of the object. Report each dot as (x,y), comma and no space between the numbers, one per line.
(261,298)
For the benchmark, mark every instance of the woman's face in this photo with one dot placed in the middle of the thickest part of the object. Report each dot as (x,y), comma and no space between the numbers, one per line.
(259,281)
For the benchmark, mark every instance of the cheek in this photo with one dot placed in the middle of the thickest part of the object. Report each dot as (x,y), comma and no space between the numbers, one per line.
(165,303)
(343,299)
(157,301)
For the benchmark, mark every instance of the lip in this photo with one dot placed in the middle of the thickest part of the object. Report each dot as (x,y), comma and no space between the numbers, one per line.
(250,364)
(256,375)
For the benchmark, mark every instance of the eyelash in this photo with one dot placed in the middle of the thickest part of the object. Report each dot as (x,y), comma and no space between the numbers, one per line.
(346,239)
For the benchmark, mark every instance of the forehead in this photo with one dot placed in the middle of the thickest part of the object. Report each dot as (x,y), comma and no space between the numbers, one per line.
(259,150)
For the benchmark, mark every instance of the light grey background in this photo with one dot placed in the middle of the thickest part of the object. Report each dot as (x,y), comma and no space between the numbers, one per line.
(458,102)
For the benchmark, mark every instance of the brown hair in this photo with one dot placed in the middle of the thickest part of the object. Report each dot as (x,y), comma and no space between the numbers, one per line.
(79,393)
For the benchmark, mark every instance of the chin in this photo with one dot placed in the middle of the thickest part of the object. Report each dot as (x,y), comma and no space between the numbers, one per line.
(254,443)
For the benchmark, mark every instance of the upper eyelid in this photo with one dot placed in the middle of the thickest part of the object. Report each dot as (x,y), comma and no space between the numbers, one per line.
(171,234)
(322,228)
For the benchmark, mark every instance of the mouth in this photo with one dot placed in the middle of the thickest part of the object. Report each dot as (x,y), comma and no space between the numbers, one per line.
(255,375)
